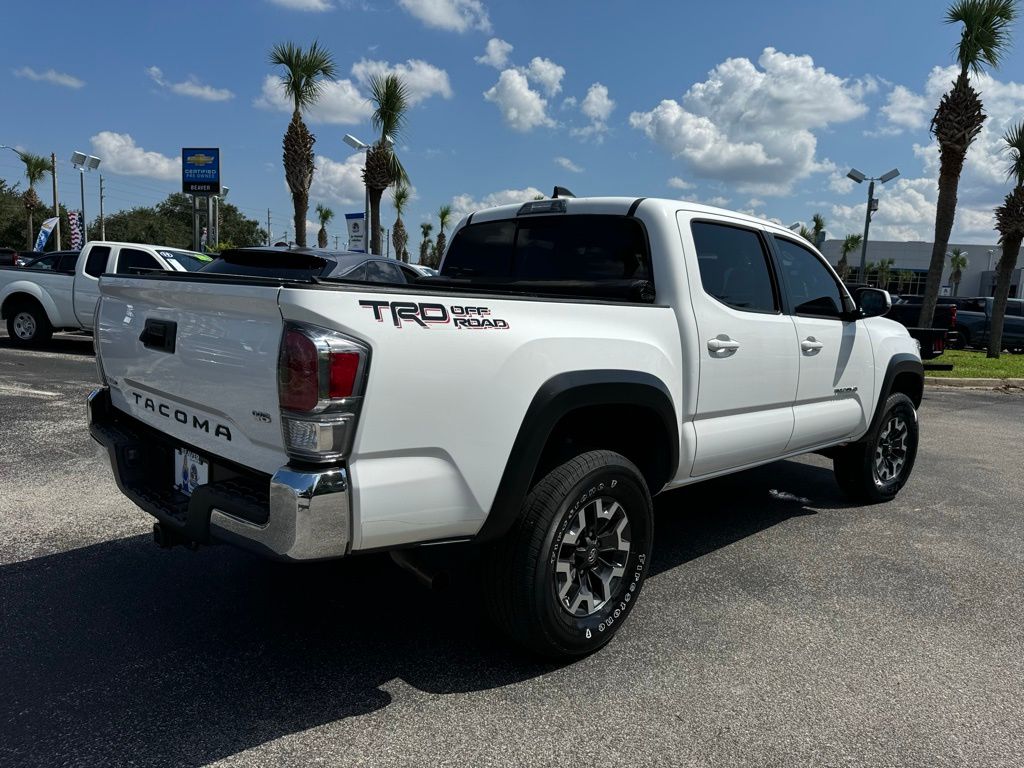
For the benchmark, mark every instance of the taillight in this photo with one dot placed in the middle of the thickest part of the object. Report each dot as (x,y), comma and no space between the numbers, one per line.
(320,384)
(344,368)
(298,372)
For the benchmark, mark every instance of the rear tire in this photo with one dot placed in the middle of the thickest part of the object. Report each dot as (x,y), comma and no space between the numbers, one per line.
(963,338)
(28,326)
(566,576)
(874,470)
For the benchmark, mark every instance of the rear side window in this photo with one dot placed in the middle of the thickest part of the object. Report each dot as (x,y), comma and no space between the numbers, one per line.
(130,259)
(68,262)
(734,266)
(482,251)
(382,272)
(96,265)
(551,249)
(47,262)
(812,289)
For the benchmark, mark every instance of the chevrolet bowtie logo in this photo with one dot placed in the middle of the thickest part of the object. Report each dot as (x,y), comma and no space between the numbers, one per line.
(199,159)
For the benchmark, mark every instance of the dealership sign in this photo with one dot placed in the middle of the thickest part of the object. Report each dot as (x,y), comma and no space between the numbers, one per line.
(200,171)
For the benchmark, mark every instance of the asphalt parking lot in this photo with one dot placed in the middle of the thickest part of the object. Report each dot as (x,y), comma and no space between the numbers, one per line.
(781,625)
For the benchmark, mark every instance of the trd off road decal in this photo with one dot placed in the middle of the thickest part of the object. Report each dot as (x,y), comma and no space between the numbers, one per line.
(426,314)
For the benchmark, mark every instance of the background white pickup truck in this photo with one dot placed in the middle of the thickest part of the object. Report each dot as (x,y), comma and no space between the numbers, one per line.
(574,358)
(37,302)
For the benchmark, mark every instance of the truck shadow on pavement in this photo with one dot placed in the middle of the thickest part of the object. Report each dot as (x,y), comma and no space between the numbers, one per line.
(61,344)
(118,652)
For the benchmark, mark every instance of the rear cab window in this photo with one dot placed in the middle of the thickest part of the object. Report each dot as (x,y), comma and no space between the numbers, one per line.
(131,261)
(287,265)
(571,250)
(96,264)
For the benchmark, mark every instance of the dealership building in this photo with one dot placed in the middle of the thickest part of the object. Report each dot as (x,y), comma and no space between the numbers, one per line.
(912,259)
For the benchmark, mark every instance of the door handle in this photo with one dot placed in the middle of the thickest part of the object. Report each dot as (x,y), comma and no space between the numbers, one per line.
(811,344)
(720,344)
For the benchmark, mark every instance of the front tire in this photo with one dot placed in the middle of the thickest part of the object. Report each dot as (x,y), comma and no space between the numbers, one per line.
(874,470)
(28,326)
(566,576)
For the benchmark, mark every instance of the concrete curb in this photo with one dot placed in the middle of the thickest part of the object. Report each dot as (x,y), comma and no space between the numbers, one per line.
(941,381)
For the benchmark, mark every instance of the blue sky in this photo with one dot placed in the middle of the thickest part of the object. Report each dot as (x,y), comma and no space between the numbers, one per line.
(755,106)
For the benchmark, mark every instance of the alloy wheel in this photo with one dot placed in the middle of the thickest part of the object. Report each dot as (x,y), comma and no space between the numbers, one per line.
(592,556)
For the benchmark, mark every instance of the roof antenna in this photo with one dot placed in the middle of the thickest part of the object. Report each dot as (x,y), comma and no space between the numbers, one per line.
(562,192)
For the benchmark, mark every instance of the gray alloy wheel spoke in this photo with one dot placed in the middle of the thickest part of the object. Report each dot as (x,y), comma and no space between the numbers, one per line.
(592,556)
(891,450)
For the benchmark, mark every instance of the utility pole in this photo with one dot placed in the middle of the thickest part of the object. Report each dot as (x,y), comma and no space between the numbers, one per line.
(335,242)
(103,226)
(268,226)
(56,201)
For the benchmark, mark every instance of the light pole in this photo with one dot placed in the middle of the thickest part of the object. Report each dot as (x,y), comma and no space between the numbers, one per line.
(858,177)
(83,163)
(362,146)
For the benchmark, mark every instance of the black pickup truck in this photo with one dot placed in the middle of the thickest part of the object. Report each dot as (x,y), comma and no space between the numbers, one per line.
(906,310)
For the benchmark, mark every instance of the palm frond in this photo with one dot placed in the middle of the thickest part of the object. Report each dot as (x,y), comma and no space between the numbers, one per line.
(400,198)
(1014,138)
(324,214)
(305,71)
(985,37)
(444,216)
(390,99)
(36,166)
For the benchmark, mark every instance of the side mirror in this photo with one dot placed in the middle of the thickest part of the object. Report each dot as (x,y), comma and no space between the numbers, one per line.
(872,302)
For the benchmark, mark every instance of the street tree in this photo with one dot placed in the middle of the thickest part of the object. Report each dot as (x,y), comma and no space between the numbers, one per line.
(1010,223)
(324,215)
(426,258)
(305,72)
(390,99)
(850,243)
(957,263)
(984,40)
(399,236)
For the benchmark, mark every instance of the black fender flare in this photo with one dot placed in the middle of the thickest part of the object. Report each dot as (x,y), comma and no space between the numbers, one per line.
(557,397)
(902,362)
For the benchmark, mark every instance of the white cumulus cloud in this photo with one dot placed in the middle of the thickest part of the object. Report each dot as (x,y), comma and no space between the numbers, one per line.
(340,102)
(495,54)
(463,205)
(753,125)
(190,87)
(597,106)
(51,76)
(120,154)
(568,165)
(423,80)
(522,107)
(304,5)
(677,183)
(906,109)
(546,74)
(452,15)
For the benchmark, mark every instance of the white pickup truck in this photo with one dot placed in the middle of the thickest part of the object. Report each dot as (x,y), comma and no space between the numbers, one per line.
(574,358)
(37,302)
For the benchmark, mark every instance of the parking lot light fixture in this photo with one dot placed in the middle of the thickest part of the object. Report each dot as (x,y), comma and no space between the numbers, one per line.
(83,162)
(858,177)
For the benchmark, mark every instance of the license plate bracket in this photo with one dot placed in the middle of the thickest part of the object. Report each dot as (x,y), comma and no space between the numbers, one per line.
(190,470)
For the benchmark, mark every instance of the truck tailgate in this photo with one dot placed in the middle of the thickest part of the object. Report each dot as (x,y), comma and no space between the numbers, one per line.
(197,362)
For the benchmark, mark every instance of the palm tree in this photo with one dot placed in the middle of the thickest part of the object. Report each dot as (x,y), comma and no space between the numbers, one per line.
(817,229)
(444,215)
(390,99)
(884,273)
(958,263)
(806,234)
(984,39)
(399,237)
(850,243)
(36,167)
(906,279)
(303,80)
(1010,223)
(324,214)
(425,257)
